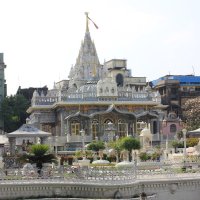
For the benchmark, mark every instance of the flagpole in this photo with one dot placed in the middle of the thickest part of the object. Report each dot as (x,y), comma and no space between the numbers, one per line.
(87,26)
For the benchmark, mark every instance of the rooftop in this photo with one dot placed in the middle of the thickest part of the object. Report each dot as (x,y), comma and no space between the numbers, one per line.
(183,79)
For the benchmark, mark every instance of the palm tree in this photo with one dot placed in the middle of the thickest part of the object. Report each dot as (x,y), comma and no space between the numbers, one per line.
(39,154)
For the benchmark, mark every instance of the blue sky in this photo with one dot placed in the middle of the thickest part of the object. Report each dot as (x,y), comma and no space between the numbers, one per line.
(40,39)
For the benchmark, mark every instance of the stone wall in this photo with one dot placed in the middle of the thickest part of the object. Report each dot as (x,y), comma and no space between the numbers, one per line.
(164,189)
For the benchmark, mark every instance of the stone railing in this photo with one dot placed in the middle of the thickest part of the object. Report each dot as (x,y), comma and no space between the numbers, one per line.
(148,197)
(43,100)
(100,174)
(99,182)
(107,174)
(79,138)
(79,97)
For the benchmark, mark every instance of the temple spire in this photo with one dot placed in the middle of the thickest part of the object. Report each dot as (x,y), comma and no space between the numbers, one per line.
(87,23)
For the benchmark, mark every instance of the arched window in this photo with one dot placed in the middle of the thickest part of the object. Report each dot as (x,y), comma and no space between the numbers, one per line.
(122,128)
(173,128)
(106,123)
(95,127)
(75,128)
(155,130)
(120,80)
(75,86)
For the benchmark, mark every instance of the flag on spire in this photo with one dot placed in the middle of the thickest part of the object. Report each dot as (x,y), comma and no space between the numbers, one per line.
(93,22)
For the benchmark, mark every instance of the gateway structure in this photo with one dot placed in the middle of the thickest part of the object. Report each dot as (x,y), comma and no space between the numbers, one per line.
(103,100)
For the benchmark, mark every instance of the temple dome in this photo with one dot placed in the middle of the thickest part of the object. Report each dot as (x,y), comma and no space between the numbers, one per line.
(146,132)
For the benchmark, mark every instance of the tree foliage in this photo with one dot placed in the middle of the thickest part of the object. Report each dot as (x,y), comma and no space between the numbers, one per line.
(96,145)
(177,144)
(130,143)
(14,112)
(127,143)
(39,154)
(81,154)
(192,110)
(116,145)
(144,156)
(191,142)
(179,135)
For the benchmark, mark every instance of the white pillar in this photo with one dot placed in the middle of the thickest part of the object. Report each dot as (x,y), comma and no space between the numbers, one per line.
(184,139)
(82,132)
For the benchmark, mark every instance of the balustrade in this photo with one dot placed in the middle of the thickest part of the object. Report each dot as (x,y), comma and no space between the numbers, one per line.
(99,174)
(95,180)
(92,96)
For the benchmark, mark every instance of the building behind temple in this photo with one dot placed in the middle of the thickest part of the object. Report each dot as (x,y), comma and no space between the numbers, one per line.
(175,90)
(28,92)
(96,96)
(3,88)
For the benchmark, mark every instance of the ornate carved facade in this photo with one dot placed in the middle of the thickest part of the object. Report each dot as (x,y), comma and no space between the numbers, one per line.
(93,96)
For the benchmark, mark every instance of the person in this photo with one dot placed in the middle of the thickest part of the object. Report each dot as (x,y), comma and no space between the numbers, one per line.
(28,142)
(23,145)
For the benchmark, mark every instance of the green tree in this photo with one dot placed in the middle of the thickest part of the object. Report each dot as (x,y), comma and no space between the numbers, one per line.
(191,113)
(144,156)
(129,143)
(96,145)
(177,144)
(14,112)
(191,142)
(81,154)
(179,135)
(39,154)
(116,145)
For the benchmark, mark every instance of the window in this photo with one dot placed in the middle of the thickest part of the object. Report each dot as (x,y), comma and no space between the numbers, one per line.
(174,91)
(155,130)
(94,129)
(197,89)
(120,80)
(75,128)
(106,123)
(172,128)
(122,128)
